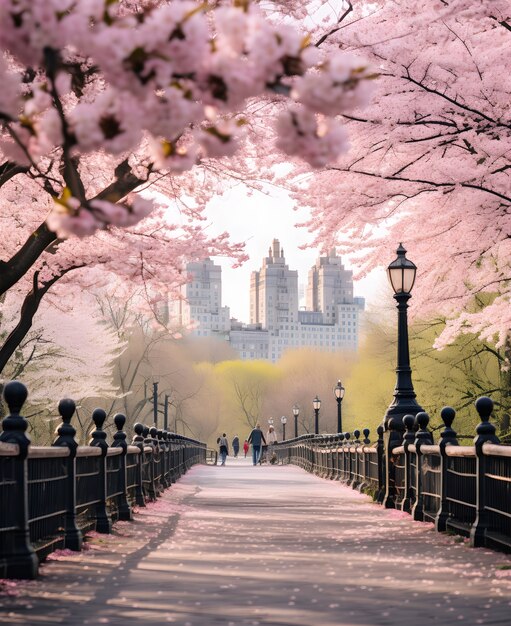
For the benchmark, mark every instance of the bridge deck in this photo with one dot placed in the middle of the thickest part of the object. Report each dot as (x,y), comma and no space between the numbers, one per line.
(243,545)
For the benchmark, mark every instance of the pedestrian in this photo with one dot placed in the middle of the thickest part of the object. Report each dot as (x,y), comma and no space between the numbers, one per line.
(245,448)
(271,439)
(256,438)
(236,446)
(223,448)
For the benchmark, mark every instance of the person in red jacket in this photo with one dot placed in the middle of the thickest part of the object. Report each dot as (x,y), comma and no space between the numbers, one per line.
(245,448)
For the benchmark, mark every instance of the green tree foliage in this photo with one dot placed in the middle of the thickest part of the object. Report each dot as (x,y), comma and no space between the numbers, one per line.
(455,376)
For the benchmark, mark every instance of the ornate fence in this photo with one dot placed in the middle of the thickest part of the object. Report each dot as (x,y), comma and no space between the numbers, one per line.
(462,489)
(51,496)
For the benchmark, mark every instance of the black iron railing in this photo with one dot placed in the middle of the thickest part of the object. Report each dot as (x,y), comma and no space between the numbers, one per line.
(462,489)
(51,496)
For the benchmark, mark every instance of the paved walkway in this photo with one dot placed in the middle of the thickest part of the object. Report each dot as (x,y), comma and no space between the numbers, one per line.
(243,545)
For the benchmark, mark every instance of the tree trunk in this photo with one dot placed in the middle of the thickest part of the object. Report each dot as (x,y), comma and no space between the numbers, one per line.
(28,310)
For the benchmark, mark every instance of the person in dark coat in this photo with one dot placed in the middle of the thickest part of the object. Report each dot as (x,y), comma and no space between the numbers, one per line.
(223,448)
(256,438)
(236,446)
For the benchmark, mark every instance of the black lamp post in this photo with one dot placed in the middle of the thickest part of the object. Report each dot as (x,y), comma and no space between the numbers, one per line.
(316,403)
(296,413)
(155,404)
(339,395)
(401,273)
(166,413)
(283,421)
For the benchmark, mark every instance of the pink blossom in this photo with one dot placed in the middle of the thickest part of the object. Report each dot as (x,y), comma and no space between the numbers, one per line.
(10,93)
(173,158)
(80,223)
(112,121)
(317,143)
(339,85)
(218,140)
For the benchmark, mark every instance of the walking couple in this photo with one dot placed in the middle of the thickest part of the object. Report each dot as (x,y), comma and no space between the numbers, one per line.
(259,441)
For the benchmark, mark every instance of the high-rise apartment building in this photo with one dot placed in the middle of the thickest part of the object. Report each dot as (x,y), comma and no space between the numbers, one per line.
(274,291)
(200,307)
(329,286)
(329,322)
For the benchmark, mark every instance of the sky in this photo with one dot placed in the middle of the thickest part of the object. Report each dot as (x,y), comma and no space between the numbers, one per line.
(257,220)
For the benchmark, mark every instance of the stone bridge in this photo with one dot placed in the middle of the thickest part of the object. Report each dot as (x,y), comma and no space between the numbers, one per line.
(265,545)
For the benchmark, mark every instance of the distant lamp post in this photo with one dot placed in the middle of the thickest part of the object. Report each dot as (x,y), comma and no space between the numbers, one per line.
(339,395)
(155,404)
(316,403)
(166,413)
(270,421)
(283,421)
(296,413)
(401,273)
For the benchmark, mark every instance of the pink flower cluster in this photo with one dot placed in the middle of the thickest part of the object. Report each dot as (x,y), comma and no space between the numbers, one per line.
(69,217)
(168,79)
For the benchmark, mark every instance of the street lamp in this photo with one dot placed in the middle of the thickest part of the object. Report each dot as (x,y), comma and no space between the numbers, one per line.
(316,403)
(401,273)
(155,404)
(166,413)
(270,421)
(339,395)
(283,421)
(296,413)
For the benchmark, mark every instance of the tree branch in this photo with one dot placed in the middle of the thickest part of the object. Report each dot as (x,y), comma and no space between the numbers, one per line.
(338,27)
(431,183)
(28,310)
(17,266)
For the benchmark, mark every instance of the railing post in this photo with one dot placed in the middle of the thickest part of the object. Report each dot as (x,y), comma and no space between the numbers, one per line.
(165,459)
(485,434)
(158,486)
(355,482)
(335,457)
(347,459)
(393,426)
(447,438)
(365,442)
(423,436)
(340,456)
(380,455)
(123,507)
(151,490)
(73,537)
(98,439)
(17,558)
(138,440)
(408,438)
(172,457)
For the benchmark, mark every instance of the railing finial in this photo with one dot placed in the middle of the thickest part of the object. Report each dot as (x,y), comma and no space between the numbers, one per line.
(366,432)
(409,424)
(422,435)
(485,430)
(98,436)
(66,431)
(448,434)
(15,425)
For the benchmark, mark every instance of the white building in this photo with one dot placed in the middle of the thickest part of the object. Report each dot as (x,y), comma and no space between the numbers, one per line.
(274,291)
(200,308)
(330,321)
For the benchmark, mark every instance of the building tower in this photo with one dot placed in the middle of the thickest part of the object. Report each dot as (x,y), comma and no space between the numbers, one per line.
(201,303)
(330,285)
(274,291)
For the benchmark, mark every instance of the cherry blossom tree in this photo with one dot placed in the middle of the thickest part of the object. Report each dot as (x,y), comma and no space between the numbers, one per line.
(430,160)
(69,352)
(102,99)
